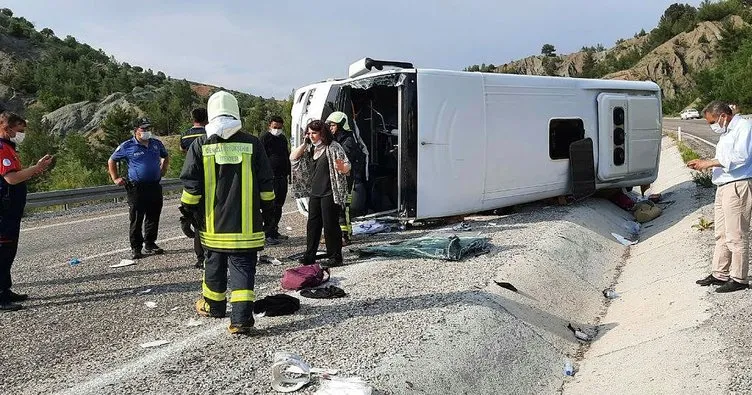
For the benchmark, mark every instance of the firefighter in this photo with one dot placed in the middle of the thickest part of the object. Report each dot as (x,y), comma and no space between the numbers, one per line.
(340,128)
(227,185)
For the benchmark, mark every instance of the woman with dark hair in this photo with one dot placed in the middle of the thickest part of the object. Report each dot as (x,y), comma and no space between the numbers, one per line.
(321,164)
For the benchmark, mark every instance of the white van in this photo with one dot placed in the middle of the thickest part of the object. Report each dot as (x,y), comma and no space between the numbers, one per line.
(443,143)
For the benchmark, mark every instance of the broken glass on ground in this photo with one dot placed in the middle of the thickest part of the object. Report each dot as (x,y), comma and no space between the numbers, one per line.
(451,248)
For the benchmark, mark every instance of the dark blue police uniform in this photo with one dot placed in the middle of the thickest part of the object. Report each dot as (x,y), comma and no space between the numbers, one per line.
(144,190)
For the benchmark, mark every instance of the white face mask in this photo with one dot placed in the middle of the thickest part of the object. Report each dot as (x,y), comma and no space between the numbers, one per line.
(145,135)
(275,132)
(717,128)
(19,137)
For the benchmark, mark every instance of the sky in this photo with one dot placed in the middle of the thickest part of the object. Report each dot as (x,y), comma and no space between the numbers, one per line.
(270,48)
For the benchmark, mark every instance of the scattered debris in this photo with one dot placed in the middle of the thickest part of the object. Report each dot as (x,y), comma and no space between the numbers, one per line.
(151,305)
(290,373)
(269,260)
(193,323)
(289,228)
(462,227)
(329,292)
(579,334)
(568,368)
(123,263)
(74,262)
(175,308)
(646,211)
(370,227)
(144,292)
(343,385)
(632,227)
(276,305)
(155,343)
(506,285)
(452,248)
(621,239)
(610,294)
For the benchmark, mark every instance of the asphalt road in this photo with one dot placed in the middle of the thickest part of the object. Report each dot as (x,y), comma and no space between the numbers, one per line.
(695,127)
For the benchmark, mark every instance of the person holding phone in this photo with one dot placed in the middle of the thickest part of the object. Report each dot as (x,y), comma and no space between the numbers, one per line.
(323,162)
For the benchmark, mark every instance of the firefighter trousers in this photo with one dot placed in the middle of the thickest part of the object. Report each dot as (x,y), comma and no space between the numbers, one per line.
(242,274)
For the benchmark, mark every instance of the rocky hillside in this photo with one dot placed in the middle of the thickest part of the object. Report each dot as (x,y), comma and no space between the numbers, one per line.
(71,87)
(669,65)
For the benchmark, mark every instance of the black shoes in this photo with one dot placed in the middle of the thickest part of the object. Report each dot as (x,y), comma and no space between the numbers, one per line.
(136,254)
(9,306)
(152,248)
(9,301)
(14,297)
(731,286)
(710,280)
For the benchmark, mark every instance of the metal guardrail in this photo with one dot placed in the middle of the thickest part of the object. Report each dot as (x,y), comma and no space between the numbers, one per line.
(68,196)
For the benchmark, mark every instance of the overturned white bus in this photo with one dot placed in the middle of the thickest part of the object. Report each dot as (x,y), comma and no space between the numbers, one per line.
(443,143)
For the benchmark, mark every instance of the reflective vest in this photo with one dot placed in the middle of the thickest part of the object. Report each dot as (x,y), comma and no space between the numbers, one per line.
(228,181)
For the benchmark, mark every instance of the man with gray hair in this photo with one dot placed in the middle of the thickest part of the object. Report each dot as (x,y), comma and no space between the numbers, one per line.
(732,173)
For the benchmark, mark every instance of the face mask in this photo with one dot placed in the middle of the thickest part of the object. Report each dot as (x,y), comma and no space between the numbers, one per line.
(19,137)
(145,135)
(275,132)
(717,128)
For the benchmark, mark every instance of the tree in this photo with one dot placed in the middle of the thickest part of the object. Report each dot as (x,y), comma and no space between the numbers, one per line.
(6,12)
(548,50)
(551,65)
(588,66)
(117,127)
(47,32)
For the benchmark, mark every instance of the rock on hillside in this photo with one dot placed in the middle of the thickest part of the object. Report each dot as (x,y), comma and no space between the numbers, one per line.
(85,116)
(669,64)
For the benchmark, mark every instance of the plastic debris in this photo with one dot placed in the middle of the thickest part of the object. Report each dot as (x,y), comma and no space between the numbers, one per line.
(624,241)
(632,227)
(344,385)
(579,334)
(155,343)
(462,227)
(290,373)
(144,292)
(193,323)
(151,305)
(506,285)
(610,294)
(74,262)
(568,368)
(123,263)
(370,227)
(175,308)
(452,248)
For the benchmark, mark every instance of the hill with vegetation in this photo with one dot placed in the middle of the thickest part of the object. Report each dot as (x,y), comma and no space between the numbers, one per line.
(80,102)
(695,54)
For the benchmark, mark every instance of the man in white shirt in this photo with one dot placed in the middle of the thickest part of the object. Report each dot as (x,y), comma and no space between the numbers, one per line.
(732,173)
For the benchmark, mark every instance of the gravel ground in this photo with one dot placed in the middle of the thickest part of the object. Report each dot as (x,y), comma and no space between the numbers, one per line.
(407,325)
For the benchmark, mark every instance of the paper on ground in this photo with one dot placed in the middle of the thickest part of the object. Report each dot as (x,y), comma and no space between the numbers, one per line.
(124,262)
(155,343)
(151,305)
(623,240)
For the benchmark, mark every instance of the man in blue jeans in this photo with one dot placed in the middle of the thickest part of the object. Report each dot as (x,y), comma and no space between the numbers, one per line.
(147,163)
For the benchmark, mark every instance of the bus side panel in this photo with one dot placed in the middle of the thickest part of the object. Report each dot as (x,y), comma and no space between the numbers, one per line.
(451,137)
(644,133)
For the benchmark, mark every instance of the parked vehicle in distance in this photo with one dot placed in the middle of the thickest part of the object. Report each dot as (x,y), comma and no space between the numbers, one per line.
(690,113)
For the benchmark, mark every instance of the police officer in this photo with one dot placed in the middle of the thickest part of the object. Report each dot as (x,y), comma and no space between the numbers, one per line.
(227,184)
(186,139)
(340,128)
(147,163)
(278,150)
(12,202)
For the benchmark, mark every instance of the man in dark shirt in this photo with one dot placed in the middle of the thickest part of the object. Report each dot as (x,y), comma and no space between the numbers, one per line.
(147,163)
(200,119)
(278,150)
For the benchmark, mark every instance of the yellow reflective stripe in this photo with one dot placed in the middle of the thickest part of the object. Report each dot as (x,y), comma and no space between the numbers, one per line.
(246,193)
(232,245)
(187,198)
(242,295)
(232,236)
(210,186)
(267,196)
(188,136)
(211,295)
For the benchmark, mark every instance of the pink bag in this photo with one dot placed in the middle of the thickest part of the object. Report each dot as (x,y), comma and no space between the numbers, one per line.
(305,276)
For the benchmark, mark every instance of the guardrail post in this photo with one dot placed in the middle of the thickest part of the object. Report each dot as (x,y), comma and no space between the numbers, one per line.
(678,134)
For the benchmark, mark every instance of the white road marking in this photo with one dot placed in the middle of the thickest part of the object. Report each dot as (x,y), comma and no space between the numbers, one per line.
(685,134)
(96,384)
(78,221)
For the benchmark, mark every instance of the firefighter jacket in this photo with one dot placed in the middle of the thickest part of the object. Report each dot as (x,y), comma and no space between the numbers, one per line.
(226,184)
